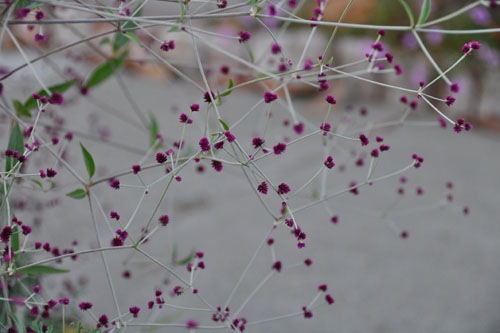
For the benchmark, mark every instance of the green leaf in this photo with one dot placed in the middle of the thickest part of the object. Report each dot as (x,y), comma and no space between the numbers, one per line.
(122,38)
(187,259)
(229,88)
(153,131)
(41,270)
(425,11)
(105,41)
(16,143)
(224,125)
(31,103)
(133,36)
(105,71)
(174,253)
(89,161)
(26,3)
(14,240)
(79,193)
(21,110)
(38,183)
(183,11)
(408,12)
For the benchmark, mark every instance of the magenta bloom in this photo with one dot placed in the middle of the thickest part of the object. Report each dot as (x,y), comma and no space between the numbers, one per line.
(269,97)
(204,144)
(279,148)
(244,36)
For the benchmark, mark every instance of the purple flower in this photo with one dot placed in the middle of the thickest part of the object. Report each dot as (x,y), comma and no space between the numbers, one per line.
(330,99)
(325,127)
(283,188)
(114,183)
(262,188)
(221,4)
(364,140)
(103,321)
(22,12)
(450,100)
(398,69)
(183,118)
(134,311)
(56,98)
(114,215)
(277,266)
(51,173)
(308,64)
(5,234)
(298,128)
(329,162)
(229,136)
(244,36)
(204,144)
(207,98)
(270,96)
(275,48)
(307,313)
(389,57)
(279,148)
(85,306)
(136,168)
(167,46)
(161,157)
(191,324)
(257,142)
(217,165)
(164,219)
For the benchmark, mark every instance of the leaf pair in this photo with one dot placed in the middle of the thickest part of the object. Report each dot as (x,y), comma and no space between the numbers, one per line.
(81,193)
(425,11)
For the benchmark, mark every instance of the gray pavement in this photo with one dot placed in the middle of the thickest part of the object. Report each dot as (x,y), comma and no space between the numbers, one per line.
(444,278)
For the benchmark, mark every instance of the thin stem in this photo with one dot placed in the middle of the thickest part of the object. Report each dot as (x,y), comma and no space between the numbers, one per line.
(247,268)
(103,258)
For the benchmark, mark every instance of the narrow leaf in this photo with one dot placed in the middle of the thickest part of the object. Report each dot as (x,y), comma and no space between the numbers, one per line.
(38,183)
(105,71)
(41,270)
(408,11)
(104,41)
(31,103)
(133,36)
(79,193)
(89,161)
(425,11)
(24,3)
(229,88)
(174,253)
(224,125)
(187,259)
(122,38)
(153,131)
(14,240)
(16,143)
(21,110)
